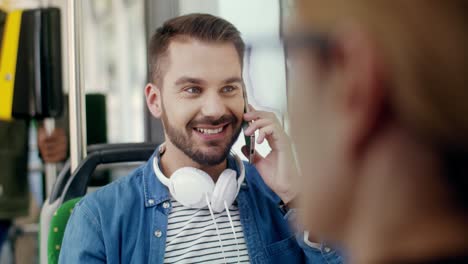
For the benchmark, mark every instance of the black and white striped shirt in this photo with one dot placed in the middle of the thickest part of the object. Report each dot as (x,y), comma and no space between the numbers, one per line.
(192,237)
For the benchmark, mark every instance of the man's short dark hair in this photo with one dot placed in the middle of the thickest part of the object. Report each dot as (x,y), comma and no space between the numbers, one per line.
(204,27)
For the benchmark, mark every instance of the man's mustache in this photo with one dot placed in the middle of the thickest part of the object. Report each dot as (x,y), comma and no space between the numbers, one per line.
(213,122)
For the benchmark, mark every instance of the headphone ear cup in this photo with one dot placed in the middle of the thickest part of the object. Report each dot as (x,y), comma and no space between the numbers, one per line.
(189,186)
(224,190)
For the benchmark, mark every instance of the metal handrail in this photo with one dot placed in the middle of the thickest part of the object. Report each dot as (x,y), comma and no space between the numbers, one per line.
(75,83)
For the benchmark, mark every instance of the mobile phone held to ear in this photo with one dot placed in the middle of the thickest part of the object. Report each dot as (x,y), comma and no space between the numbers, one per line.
(249,140)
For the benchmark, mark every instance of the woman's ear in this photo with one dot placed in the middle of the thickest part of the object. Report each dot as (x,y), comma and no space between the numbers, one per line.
(153,99)
(362,83)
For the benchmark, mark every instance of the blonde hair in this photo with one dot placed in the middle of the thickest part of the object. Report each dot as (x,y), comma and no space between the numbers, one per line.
(425,45)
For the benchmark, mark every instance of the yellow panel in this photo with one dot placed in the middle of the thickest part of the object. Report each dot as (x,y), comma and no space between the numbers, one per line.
(8,56)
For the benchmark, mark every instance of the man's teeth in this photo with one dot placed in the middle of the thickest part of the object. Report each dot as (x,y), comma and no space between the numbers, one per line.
(210,131)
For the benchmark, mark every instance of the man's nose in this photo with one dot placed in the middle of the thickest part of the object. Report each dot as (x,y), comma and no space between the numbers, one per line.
(213,106)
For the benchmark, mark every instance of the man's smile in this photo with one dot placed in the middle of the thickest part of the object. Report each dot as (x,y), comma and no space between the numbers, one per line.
(210,132)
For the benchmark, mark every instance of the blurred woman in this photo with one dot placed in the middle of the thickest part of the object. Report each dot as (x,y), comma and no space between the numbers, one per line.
(379,119)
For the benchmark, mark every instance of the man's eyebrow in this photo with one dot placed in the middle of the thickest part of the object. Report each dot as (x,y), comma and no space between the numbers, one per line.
(233,80)
(185,79)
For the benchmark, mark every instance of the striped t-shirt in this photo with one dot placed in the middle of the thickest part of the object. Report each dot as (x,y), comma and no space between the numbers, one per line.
(192,237)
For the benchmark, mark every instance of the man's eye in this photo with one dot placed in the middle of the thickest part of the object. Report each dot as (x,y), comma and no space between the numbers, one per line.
(228,89)
(193,90)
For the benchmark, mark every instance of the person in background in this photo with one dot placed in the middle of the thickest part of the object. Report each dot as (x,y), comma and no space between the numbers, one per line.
(14,191)
(380,126)
(54,147)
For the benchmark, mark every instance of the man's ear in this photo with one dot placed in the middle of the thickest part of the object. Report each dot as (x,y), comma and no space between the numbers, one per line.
(361,91)
(153,99)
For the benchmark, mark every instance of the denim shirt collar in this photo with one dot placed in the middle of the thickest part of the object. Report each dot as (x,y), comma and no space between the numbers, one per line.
(154,191)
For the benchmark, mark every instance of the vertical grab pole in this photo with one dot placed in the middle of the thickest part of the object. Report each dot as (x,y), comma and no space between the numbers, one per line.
(75,82)
(49,124)
(76,116)
(50,168)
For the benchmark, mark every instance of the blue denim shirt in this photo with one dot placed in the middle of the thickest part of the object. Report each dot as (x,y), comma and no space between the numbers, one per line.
(126,222)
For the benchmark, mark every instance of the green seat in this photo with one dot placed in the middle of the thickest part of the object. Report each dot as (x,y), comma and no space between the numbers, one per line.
(57,229)
(69,188)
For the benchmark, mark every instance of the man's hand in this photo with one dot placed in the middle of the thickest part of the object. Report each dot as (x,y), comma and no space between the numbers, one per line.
(53,148)
(278,168)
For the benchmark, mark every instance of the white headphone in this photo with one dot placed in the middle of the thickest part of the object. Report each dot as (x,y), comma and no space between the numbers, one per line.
(190,186)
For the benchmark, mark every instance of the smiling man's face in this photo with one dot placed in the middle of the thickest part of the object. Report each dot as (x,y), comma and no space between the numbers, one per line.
(202,98)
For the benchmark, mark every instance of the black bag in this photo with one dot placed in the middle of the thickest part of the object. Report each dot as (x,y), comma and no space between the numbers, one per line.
(37,89)
(39,65)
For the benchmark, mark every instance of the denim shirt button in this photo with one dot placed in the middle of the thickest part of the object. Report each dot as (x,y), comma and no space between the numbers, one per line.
(150,201)
(327,249)
(166,205)
(157,233)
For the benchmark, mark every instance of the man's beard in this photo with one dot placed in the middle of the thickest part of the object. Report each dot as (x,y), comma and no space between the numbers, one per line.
(183,142)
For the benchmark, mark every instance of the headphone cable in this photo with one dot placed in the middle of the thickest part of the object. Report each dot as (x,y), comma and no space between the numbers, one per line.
(233,230)
(216,227)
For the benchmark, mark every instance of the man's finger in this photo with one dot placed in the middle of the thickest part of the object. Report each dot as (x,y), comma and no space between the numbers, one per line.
(265,132)
(41,135)
(51,145)
(56,155)
(58,151)
(257,125)
(53,159)
(255,115)
(58,133)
